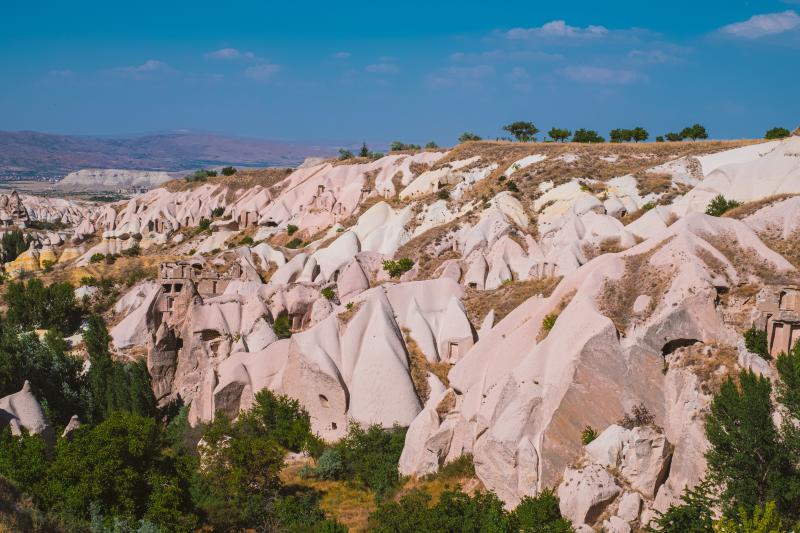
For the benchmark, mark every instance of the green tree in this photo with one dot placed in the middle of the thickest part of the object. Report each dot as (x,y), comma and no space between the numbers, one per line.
(694,132)
(558,134)
(431,145)
(12,244)
(239,480)
(620,135)
(228,171)
(522,131)
(468,136)
(748,458)
(639,134)
(694,515)
(364,152)
(764,519)
(719,206)
(540,515)
(345,154)
(283,418)
(586,136)
(118,464)
(777,133)
(788,366)
(755,340)
(674,137)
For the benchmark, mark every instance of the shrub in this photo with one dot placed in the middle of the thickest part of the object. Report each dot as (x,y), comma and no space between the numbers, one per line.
(294,243)
(549,321)
(398,268)
(228,171)
(719,205)
(47,265)
(587,136)
(133,251)
(398,146)
(777,133)
(364,152)
(648,206)
(431,145)
(756,341)
(204,224)
(522,131)
(200,175)
(217,212)
(349,306)
(283,418)
(89,281)
(588,435)
(371,455)
(328,293)
(443,194)
(674,137)
(96,258)
(14,243)
(281,327)
(247,241)
(659,138)
(291,229)
(330,465)
(345,154)
(639,416)
(468,136)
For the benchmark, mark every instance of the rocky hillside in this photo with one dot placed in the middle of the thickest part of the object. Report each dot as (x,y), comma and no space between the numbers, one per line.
(497,299)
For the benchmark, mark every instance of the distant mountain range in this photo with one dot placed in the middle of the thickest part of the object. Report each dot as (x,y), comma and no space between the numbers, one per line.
(30,154)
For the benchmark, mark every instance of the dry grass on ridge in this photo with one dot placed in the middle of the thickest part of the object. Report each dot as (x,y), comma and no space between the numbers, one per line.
(506,298)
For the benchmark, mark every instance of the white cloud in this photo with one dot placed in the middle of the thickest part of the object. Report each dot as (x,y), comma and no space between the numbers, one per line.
(518,74)
(151,66)
(557,29)
(382,68)
(342,55)
(600,75)
(500,56)
(261,72)
(232,54)
(653,57)
(461,76)
(763,25)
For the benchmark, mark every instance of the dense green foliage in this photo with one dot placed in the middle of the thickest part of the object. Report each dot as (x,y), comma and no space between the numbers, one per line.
(282,327)
(522,131)
(12,244)
(559,134)
(777,133)
(397,268)
(587,136)
(457,511)
(399,146)
(431,145)
(367,456)
(694,132)
(468,136)
(36,306)
(228,171)
(345,154)
(719,205)
(200,176)
(291,229)
(114,386)
(637,134)
(754,474)
(756,341)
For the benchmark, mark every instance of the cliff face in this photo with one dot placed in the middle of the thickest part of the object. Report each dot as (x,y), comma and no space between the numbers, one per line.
(110,179)
(486,297)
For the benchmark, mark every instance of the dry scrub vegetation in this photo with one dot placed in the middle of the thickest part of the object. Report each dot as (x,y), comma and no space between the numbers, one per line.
(749,208)
(419,366)
(640,278)
(550,319)
(243,179)
(747,261)
(712,363)
(506,298)
(788,248)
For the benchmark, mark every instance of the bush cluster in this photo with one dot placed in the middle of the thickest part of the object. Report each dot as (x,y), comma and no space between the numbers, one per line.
(399,267)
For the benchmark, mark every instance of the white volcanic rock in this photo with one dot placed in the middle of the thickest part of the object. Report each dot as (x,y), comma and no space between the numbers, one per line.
(136,306)
(585,492)
(21,410)
(111,179)
(777,169)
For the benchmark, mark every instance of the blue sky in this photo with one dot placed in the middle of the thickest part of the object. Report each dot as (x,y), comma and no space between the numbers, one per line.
(414,71)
